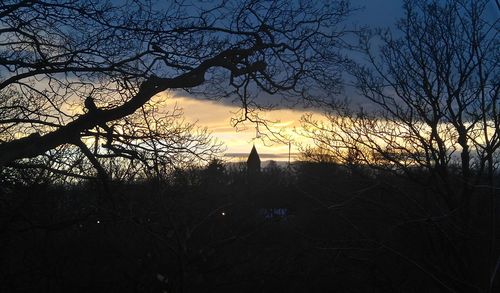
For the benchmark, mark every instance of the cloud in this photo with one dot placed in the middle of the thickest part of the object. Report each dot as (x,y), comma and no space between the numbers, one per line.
(216,118)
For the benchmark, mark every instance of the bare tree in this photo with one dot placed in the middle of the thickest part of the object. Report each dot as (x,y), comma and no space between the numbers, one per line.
(72,70)
(432,104)
(147,144)
(433,93)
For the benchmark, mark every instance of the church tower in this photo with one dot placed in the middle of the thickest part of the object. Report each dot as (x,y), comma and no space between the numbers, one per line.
(253,162)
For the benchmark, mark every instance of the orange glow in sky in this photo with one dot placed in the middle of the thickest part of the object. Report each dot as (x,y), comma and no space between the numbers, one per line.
(216,117)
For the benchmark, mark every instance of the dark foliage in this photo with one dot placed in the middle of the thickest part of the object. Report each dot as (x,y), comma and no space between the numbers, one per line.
(318,227)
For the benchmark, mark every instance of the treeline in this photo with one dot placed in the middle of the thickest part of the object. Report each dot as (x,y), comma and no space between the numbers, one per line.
(312,227)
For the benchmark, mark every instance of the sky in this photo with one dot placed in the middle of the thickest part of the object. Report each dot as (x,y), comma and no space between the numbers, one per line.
(216,116)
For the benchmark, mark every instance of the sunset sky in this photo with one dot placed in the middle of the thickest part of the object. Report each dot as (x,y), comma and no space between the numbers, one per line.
(216,116)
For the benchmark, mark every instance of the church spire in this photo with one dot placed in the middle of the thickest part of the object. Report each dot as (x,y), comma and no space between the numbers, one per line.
(253,162)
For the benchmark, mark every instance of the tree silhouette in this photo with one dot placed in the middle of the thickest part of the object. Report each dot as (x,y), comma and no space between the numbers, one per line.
(72,69)
(433,93)
(432,116)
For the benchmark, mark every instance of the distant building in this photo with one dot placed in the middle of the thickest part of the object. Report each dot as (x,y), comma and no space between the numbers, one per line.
(253,162)
(268,201)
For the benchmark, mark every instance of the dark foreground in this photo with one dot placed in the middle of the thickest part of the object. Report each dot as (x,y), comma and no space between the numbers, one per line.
(313,228)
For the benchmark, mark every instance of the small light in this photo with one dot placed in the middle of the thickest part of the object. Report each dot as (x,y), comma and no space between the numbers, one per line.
(223,213)
(98,222)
